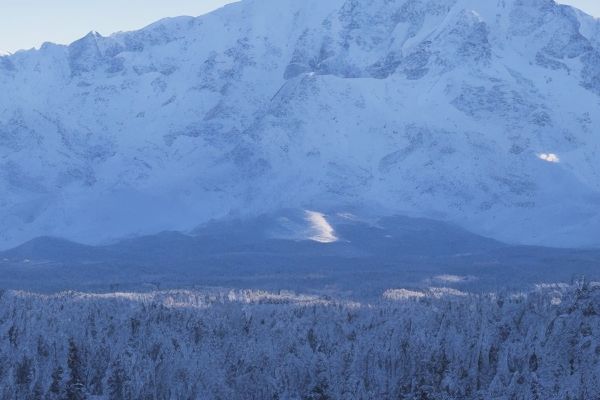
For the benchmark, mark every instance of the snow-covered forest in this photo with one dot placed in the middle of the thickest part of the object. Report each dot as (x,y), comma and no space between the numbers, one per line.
(437,344)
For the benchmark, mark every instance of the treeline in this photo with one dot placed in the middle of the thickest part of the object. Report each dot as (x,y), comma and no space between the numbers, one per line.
(250,345)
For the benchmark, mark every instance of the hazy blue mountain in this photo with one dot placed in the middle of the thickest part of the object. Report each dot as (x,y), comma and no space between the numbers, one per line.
(367,258)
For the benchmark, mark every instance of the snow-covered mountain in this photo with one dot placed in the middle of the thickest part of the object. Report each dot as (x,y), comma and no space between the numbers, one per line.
(481,113)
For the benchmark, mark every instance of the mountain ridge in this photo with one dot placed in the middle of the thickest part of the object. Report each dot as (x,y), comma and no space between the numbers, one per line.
(440,109)
(368,258)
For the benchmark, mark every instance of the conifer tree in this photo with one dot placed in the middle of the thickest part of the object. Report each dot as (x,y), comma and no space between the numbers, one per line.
(117,382)
(56,385)
(75,385)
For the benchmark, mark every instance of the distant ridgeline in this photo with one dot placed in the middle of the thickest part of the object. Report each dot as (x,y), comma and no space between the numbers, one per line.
(437,344)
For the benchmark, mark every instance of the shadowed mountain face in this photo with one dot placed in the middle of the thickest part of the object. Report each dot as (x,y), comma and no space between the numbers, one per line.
(286,233)
(481,113)
(274,252)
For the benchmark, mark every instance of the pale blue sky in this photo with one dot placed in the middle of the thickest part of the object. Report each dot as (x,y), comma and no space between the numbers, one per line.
(29,23)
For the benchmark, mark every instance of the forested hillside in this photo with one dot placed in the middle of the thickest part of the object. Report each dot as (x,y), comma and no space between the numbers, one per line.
(437,344)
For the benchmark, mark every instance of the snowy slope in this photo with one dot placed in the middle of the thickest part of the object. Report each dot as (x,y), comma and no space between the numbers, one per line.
(481,113)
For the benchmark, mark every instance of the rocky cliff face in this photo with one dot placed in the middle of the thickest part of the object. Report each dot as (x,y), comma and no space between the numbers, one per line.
(480,113)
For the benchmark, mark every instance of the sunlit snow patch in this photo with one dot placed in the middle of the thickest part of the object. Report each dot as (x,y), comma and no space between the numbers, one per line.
(402,294)
(454,278)
(322,231)
(440,292)
(549,157)
(434,292)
